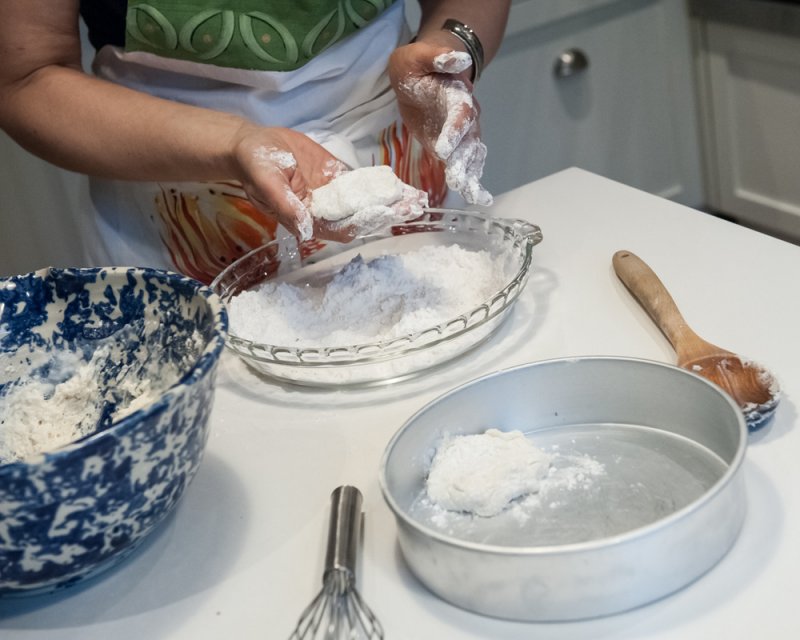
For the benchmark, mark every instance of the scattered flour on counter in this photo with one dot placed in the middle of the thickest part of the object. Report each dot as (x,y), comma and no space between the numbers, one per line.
(484,473)
(369,301)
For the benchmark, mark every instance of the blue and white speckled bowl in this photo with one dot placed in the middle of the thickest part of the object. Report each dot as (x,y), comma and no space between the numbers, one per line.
(70,513)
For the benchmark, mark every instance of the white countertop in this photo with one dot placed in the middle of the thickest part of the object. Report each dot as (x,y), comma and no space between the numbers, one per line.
(243,553)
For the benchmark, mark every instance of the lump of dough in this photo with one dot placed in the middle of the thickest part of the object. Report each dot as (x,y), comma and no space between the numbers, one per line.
(483,473)
(369,188)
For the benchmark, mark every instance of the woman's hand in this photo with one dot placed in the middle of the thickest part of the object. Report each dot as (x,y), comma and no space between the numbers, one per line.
(434,94)
(278,169)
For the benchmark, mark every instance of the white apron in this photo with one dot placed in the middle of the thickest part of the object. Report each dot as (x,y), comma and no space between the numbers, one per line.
(341,98)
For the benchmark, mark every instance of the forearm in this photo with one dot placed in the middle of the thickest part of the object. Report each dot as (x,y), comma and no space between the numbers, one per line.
(91,126)
(486,17)
(55,110)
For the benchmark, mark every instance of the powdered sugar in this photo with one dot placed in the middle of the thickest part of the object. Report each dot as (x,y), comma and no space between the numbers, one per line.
(483,473)
(274,157)
(465,168)
(459,103)
(372,189)
(42,412)
(452,62)
(369,301)
(332,168)
(566,484)
(457,142)
(303,218)
(364,200)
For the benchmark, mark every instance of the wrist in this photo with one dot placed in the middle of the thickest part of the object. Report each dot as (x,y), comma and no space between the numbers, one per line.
(241,149)
(456,36)
(440,44)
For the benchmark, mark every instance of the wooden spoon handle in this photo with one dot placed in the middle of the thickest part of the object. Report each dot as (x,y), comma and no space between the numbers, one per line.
(650,292)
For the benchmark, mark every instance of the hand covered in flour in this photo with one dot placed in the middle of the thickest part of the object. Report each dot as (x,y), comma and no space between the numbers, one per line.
(434,94)
(278,169)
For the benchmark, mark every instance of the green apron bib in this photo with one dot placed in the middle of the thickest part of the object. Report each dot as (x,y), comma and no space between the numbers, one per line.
(245,34)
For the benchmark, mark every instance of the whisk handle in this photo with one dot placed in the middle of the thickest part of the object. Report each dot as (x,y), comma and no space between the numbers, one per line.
(344,529)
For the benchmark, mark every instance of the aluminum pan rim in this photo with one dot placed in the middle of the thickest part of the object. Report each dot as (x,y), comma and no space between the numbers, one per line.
(578,547)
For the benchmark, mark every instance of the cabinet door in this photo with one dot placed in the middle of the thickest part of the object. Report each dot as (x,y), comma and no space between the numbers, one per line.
(40,217)
(629,115)
(752,88)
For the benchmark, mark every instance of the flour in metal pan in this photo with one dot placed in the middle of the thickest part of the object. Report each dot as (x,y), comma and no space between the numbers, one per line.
(526,513)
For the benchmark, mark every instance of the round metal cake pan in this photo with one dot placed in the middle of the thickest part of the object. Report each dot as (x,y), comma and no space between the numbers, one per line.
(665,505)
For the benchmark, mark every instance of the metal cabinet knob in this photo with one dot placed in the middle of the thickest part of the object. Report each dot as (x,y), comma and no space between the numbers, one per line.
(570,62)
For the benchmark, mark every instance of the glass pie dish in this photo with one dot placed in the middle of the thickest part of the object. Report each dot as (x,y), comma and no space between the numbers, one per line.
(510,243)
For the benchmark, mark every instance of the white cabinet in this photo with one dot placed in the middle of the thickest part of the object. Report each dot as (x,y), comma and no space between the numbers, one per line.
(630,115)
(750,88)
(39,212)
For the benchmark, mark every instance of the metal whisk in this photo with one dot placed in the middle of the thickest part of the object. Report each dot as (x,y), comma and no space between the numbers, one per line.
(338,612)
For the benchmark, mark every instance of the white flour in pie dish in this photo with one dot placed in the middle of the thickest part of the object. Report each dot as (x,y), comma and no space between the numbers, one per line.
(368,301)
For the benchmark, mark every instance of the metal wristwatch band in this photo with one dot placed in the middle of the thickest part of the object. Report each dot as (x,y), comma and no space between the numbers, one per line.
(471,42)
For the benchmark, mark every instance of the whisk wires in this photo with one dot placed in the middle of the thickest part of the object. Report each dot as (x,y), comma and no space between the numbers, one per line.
(338,612)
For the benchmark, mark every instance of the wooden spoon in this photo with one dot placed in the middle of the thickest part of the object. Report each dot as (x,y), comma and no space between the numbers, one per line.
(750,385)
